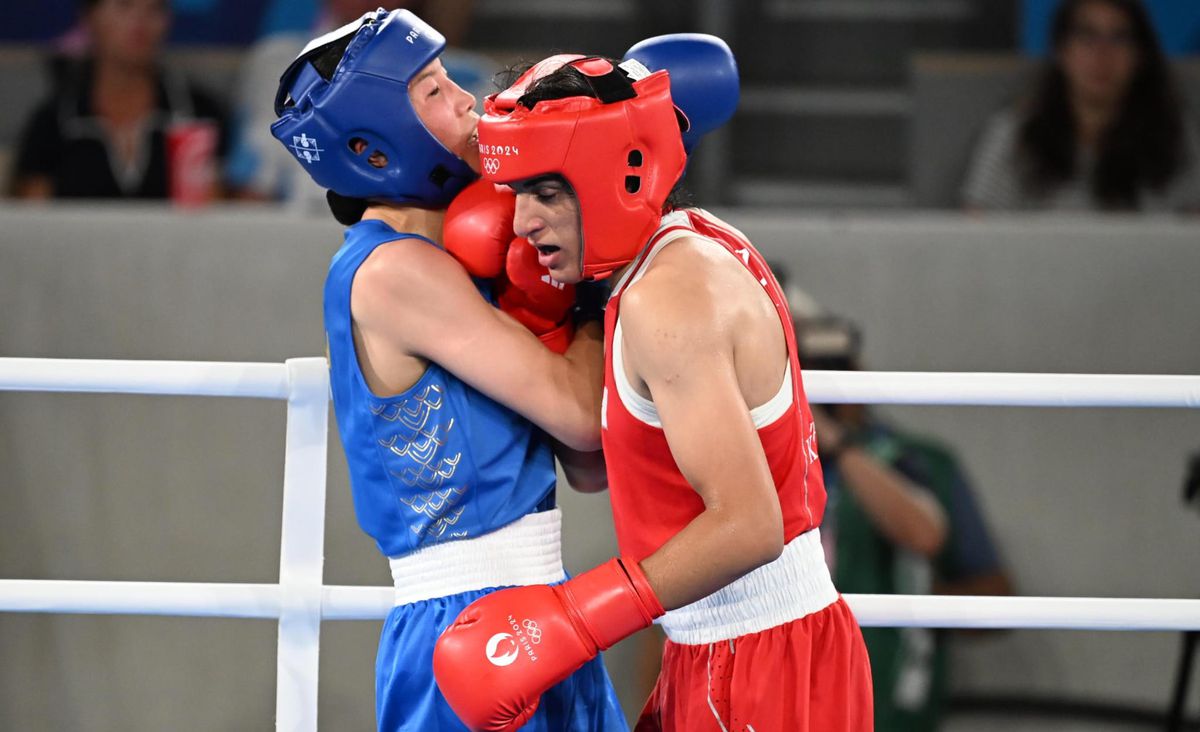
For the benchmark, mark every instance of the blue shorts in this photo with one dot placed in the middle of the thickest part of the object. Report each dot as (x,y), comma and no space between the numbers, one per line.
(407,698)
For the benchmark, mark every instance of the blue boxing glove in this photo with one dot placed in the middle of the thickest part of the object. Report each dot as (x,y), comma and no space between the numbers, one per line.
(704,78)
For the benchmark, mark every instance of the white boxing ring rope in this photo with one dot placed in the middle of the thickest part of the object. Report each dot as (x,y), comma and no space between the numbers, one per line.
(300,601)
(296,601)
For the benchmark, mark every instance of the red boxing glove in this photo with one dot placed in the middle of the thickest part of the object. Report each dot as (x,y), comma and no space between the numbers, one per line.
(506,649)
(478,233)
(534,299)
(479,226)
(558,339)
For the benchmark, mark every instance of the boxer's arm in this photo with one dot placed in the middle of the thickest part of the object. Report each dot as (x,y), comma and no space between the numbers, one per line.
(420,300)
(676,344)
(585,471)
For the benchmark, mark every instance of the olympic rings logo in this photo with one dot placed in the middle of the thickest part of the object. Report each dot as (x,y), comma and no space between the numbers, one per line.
(491,166)
(532,631)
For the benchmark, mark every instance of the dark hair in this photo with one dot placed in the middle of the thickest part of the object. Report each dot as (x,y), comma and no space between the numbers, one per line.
(1143,145)
(560,84)
(347,210)
(570,82)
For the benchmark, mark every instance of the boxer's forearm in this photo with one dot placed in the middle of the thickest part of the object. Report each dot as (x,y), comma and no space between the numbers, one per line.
(716,548)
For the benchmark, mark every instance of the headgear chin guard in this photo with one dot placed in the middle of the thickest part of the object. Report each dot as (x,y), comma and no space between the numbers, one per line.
(365,96)
(622,152)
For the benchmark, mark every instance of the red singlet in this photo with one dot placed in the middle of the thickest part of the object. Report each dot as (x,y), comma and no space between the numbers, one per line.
(651,500)
(776,650)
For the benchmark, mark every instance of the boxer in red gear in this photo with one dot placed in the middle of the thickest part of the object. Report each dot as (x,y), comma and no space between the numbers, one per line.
(716,489)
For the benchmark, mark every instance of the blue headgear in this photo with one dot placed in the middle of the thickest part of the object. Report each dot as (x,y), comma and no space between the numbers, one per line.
(321,110)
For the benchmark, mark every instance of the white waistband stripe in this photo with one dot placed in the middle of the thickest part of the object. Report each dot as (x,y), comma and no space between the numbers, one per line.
(794,585)
(526,552)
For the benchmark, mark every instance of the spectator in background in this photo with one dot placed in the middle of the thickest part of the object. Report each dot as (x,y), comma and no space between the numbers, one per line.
(1103,130)
(258,168)
(900,519)
(115,114)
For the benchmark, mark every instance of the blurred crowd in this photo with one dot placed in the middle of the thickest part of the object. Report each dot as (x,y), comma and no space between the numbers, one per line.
(1102,126)
(121,122)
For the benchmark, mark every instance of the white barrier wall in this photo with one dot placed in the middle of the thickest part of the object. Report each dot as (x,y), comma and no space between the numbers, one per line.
(1083,502)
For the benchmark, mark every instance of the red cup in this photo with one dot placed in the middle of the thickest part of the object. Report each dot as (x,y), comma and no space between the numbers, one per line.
(192,162)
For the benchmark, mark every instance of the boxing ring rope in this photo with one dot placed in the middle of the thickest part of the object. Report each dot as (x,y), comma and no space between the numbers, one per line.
(373,603)
(999,389)
(300,601)
(296,600)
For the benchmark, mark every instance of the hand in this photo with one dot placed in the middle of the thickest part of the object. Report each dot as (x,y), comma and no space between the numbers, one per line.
(478,233)
(478,228)
(535,299)
(508,648)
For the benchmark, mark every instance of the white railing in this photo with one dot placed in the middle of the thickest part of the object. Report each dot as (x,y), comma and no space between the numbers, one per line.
(296,600)
(301,601)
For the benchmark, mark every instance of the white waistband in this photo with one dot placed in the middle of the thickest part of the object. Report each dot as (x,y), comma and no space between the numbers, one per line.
(526,552)
(794,585)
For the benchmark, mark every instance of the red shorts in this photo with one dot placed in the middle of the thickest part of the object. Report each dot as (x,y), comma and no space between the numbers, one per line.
(777,650)
(809,675)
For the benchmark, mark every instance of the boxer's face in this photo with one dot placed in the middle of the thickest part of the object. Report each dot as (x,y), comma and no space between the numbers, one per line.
(548,216)
(447,111)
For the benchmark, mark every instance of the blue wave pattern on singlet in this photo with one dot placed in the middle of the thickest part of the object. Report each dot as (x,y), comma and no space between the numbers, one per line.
(439,461)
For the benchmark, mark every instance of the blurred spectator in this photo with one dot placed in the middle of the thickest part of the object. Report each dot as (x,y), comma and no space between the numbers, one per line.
(1103,130)
(1177,23)
(116,116)
(901,519)
(259,168)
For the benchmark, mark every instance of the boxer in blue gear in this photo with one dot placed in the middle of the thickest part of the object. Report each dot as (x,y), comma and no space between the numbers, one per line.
(455,486)
(431,465)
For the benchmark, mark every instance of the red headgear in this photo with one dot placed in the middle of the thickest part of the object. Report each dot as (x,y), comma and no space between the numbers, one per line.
(622,152)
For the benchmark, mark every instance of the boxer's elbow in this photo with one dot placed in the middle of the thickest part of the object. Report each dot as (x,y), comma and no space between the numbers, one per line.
(581,428)
(769,544)
(584,471)
(587,482)
(759,535)
(581,434)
